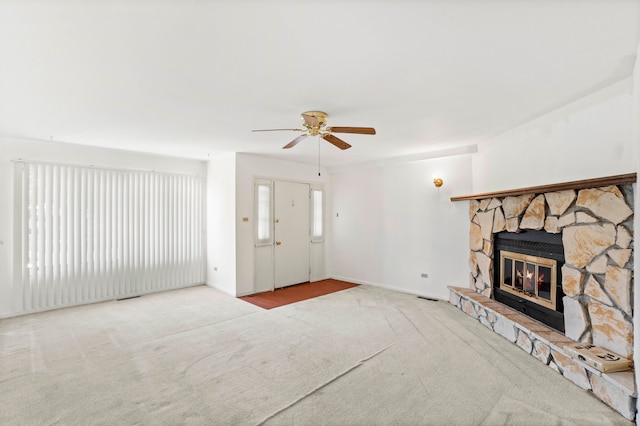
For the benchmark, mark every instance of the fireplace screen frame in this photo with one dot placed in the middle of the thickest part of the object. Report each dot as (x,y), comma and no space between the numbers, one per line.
(537,262)
(534,243)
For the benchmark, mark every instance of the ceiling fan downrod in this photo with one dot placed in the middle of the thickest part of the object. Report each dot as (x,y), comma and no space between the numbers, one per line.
(318,156)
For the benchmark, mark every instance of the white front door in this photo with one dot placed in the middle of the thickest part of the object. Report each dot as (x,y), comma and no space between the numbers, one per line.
(292,240)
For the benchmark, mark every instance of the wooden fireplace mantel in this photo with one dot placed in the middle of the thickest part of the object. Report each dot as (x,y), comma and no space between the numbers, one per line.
(576,184)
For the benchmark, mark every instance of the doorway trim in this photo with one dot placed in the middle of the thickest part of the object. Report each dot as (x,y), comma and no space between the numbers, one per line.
(264,249)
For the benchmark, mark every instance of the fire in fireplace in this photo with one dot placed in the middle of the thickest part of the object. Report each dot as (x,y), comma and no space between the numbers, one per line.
(528,274)
(530,277)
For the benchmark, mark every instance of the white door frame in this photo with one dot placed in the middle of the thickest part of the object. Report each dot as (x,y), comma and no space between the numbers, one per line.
(264,251)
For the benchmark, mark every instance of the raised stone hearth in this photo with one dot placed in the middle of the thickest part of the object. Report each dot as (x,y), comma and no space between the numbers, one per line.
(596,226)
(618,390)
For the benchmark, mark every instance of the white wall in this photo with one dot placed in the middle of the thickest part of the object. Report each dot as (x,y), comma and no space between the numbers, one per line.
(415,229)
(221,230)
(389,224)
(636,223)
(248,167)
(586,139)
(26,149)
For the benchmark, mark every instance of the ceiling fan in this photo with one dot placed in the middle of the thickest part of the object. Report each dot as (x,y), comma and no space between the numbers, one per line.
(314,123)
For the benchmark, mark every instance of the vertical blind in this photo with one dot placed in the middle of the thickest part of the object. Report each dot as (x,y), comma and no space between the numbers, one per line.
(91,234)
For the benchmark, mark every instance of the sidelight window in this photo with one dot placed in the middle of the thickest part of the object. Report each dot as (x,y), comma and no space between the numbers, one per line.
(317,200)
(263,194)
(317,214)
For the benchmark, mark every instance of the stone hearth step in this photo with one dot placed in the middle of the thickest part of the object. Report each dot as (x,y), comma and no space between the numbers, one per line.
(618,389)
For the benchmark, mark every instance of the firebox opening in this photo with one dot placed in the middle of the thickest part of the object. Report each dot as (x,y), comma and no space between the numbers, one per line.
(527,274)
(530,277)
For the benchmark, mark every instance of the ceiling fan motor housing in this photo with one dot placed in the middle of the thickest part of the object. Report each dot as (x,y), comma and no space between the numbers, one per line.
(319,116)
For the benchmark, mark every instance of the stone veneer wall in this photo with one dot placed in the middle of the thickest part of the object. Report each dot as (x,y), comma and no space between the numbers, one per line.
(597,234)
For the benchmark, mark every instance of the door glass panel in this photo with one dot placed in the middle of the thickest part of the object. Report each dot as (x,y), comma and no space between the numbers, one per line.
(507,269)
(530,278)
(544,282)
(519,278)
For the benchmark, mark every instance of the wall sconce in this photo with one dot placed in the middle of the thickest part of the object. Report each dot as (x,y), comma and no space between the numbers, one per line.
(438,182)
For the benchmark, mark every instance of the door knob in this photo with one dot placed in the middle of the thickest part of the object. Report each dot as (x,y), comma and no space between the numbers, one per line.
(277,220)
(278,243)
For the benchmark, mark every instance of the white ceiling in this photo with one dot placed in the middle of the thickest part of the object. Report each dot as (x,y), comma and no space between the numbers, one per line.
(191,78)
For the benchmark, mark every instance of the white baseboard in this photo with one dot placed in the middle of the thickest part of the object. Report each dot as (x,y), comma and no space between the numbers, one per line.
(388,287)
(224,290)
(97,300)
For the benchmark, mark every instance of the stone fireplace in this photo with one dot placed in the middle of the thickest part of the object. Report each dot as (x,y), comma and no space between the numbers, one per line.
(552,266)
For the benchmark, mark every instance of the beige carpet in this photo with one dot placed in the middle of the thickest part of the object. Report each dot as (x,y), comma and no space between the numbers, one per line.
(362,356)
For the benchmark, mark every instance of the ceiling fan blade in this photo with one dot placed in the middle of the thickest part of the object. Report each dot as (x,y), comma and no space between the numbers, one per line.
(310,120)
(279,130)
(358,130)
(294,142)
(335,141)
